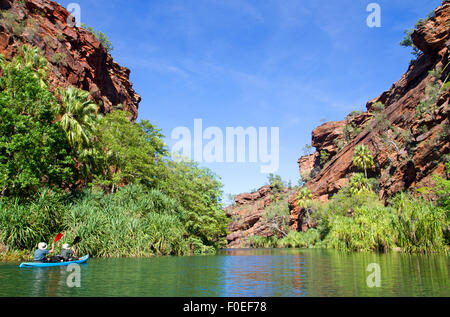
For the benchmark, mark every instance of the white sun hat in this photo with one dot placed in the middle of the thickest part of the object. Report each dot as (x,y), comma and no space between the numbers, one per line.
(42,246)
(65,246)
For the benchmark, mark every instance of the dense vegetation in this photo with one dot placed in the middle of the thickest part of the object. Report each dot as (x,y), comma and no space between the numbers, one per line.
(66,168)
(355,219)
(359,221)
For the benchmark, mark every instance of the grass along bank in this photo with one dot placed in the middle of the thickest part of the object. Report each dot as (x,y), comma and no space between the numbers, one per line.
(133,222)
(359,221)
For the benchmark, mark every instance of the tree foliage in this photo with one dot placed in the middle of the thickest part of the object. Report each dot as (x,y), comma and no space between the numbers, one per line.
(33,150)
(61,143)
(303,197)
(276,183)
(363,158)
(101,37)
(199,191)
(79,116)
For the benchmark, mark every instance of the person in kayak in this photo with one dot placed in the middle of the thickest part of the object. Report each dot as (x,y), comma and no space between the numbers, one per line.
(67,253)
(41,253)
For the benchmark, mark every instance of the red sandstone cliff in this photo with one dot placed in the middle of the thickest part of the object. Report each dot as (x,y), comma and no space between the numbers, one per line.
(75,55)
(247,215)
(408,148)
(415,145)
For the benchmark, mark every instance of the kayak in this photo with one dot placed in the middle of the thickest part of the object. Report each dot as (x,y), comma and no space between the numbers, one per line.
(49,264)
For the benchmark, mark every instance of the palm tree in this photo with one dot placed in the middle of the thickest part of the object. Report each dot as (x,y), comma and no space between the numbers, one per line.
(363,159)
(79,121)
(32,57)
(358,184)
(79,116)
(303,196)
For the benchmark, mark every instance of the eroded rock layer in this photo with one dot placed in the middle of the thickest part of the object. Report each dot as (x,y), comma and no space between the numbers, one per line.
(408,146)
(75,55)
(406,128)
(248,215)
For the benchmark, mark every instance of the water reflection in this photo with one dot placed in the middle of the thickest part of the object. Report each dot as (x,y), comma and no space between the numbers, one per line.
(262,272)
(49,281)
(266,273)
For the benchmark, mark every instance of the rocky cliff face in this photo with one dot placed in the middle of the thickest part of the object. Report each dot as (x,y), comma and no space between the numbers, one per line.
(75,55)
(409,137)
(406,128)
(247,216)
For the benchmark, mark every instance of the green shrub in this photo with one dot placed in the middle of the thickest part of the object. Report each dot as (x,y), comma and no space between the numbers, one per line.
(131,222)
(407,40)
(359,184)
(369,229)
(59,59)
(304,196)
(276,183)
(198,191)
(263,242)
(308,149)
(442,192)
(277,217)
(23,224)
(300,239)
(420,225)
(353,114)
(356,221)
(378,107)
(350,131)
(361,222)
(101,37)
(324,157)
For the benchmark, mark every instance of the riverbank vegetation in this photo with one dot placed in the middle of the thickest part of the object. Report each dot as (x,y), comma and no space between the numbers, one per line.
(64,167)
(355,219)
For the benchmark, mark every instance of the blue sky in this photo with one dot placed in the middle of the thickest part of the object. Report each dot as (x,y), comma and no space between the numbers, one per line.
(255,63)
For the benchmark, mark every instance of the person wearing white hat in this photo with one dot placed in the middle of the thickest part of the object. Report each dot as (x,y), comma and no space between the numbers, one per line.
(67,253)
(41,252)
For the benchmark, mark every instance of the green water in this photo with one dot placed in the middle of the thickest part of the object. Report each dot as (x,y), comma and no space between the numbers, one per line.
(268,272)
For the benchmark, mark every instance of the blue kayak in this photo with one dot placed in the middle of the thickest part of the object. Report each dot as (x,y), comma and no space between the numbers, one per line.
(37,264)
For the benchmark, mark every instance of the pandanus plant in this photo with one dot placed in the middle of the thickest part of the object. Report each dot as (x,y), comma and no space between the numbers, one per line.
(363,159)
(32,58)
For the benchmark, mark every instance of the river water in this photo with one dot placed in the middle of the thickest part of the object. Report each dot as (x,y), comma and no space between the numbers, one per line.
(230,273)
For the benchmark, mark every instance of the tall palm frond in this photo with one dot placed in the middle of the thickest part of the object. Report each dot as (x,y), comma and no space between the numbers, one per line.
(32,57)
(363,159)
(79,116)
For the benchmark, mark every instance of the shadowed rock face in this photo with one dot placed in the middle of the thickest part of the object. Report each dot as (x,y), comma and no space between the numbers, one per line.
(420,143)
(75,55)
(247,216)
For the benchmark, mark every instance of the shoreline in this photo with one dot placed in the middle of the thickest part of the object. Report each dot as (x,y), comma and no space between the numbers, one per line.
(10,257)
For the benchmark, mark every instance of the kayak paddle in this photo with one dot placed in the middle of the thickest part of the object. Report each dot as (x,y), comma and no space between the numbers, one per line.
(76,240)
(58,237)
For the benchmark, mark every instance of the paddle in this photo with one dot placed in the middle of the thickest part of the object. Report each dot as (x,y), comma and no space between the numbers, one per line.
(76,240)
(58,237)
